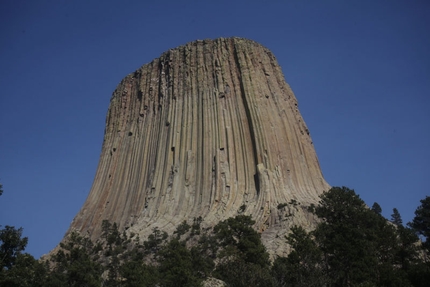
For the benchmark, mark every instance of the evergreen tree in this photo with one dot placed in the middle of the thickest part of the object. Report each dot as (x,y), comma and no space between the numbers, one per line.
(419,273)
(195,227)
(18,268)
(202,262)
(176,265)
(347,236)
(26,272)
(239,240)
(303,266)
(243,257)
(421,221)
(406,253)
(155,241)
(396,218)
(376,208)
(73,264)
(182,229)
(11,245)
(239,273)
(115,247)
(135,273)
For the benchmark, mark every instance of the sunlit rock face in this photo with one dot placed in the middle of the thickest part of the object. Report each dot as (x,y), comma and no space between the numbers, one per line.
(208,129)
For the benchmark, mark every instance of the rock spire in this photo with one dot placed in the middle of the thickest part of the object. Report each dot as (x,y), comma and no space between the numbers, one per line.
(208,129)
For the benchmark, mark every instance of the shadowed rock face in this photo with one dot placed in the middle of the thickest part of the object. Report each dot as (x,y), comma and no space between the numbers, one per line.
(209,129)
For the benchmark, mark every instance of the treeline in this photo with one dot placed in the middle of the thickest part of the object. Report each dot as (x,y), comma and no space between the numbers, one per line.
(351,246)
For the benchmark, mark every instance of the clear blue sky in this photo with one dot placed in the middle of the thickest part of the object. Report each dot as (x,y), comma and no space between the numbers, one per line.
(360,71)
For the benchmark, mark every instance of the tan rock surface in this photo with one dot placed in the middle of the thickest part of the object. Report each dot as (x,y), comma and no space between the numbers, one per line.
(201,131)
(213,282)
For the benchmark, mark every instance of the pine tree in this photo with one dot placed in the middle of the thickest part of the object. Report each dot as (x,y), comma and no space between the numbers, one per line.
(396,218)
(243,257)
(74,265)
(176,265)
(12,244)
(421,221)
(303,266)
(348,238)
(376,208)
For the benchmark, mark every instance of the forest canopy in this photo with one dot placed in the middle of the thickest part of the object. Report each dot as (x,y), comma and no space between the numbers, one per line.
(352,245)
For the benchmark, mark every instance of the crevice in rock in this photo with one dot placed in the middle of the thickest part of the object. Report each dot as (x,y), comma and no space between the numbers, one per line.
(248,117)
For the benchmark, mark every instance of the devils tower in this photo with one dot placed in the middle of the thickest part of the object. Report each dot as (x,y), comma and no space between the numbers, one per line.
(208,129)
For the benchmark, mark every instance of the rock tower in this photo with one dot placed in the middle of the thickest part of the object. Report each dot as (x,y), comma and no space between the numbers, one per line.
(208,129)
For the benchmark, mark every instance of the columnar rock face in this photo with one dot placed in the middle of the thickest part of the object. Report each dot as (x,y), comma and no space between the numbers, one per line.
(209,129)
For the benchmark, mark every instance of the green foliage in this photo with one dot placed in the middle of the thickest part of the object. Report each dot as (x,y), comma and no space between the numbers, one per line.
(280,271)
(421,221)
(202,261)
(116,245)
(406,251)
(376,208)
(155,240)
(73,264)
(419,275)
(311,208)
(361,248)
(124,262)
(294,202)
(302,266)
(111,234)
(176,265)
(243,257)
(26,272)
(182,229)
(11,245)
(243,274)
(135,273)
(240,241)
(351,246)
(195,228)
(17,268)
(209,245)
(396,218)
(349,237)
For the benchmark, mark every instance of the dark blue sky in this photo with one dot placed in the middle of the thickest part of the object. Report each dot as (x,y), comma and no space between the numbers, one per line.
(359,69)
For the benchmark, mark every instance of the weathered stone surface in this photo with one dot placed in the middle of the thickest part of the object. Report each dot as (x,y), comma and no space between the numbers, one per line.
(213,282)
(205,130)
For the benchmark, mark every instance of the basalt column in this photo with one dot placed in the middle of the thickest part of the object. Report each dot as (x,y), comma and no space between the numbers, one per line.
(209,129)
